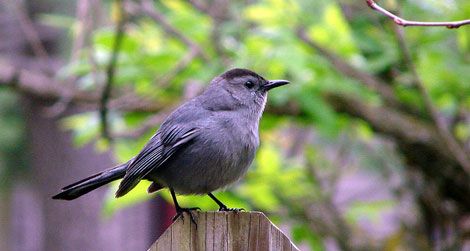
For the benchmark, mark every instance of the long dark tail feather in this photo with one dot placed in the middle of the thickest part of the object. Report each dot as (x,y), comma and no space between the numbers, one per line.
(86,185)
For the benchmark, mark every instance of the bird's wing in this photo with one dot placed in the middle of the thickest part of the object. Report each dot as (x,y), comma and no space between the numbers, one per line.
(158,150)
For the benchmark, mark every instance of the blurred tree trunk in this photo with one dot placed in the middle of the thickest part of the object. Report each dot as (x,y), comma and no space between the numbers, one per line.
(69,225)
(4,216)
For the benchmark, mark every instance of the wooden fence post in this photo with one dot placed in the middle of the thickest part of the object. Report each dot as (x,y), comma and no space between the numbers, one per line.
(220,231)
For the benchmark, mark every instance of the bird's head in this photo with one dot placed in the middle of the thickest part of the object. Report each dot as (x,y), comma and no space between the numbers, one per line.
(241,88)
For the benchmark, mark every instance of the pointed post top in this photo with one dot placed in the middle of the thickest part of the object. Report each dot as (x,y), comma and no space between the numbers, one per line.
(224,231)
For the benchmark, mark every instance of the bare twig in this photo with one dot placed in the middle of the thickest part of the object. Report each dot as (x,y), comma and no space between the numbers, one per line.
(389,121)
(403,22)
(110,72)
(324,216)
(179,67)
(146,125)
(146,7)
(37,84)
(42,86)
(449,140)
(29,31)
(85,13)
(343,67)
(414,138)
(217,43)
(201,6)
(219,12)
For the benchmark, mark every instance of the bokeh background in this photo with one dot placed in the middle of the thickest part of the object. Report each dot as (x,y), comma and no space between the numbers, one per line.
(367,149)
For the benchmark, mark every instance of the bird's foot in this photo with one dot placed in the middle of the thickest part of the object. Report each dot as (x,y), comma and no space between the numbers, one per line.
(226,209)
(180,213)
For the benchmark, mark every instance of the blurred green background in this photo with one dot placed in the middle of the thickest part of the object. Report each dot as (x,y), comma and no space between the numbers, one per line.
(367,149)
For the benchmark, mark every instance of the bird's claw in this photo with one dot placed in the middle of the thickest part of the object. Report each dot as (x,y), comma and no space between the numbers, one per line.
(226,209)
(180,213)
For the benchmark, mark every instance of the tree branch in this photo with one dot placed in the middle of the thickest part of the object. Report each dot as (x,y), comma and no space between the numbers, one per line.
(338,227)
(419,141)
(110,73)
(86,10)
(447,137)
(179,67)
(403,22)
(86,13)
(148,124)
(146,7)
(200,6)
(42,86)
(391,122)
(219,12)
(27,26)
(385,120)
(343,67)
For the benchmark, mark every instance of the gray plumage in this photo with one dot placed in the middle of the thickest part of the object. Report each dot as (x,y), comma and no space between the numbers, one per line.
(206,144)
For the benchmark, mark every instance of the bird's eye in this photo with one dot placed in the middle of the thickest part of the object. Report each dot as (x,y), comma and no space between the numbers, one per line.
(249,84)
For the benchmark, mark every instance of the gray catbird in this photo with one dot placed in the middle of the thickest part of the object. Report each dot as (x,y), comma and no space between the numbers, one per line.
(205,144)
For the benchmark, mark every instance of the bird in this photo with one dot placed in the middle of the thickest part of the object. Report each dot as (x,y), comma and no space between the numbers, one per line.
(204,145)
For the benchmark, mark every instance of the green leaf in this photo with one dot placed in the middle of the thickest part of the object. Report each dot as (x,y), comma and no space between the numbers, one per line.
(301,232)
(368,210)
(334,32)
(136,195)
(84,127)
(273,13)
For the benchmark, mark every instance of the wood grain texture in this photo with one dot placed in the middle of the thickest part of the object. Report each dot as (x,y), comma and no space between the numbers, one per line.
(224,231)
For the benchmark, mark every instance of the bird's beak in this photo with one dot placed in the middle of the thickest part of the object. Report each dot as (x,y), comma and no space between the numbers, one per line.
(274,83)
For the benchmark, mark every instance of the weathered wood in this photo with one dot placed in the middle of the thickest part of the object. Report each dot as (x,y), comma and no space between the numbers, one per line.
(223,231)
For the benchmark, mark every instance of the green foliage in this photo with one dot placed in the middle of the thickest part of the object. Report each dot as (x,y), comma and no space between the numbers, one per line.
(12,138)
(262,36)
(112,204)
(371,211)
(85,127)
(301,233)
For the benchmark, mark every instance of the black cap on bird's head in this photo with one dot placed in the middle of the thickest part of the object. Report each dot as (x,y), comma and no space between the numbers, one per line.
(251,79)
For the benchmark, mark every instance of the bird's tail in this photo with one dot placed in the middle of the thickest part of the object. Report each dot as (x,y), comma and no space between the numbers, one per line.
(86,185)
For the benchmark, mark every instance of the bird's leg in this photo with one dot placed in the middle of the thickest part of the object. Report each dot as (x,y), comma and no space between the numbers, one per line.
(181,210)
(223,207)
